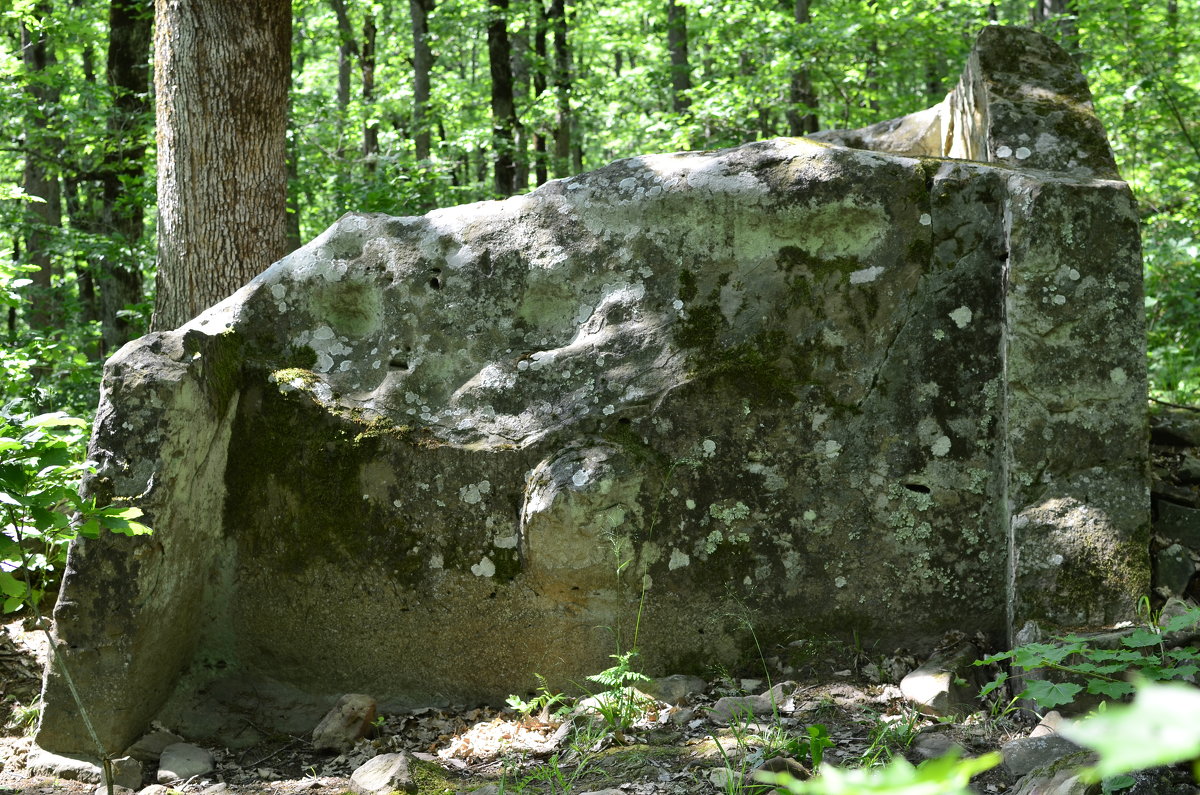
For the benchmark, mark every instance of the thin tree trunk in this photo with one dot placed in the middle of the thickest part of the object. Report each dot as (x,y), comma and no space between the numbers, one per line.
(38,179)
(802,110)
(370,144)
(556,19)
(128,68)
(677,46)
(504,114)
(521,85)
(347,50)
(422,66)
(221,79)
(539,87)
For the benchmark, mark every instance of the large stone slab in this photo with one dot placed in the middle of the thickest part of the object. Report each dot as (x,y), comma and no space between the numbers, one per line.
(824,389)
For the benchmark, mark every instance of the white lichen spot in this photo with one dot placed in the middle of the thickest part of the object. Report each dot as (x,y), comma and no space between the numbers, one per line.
(709,447)
(678,560)
(278,291)
(484,568)
(832,448)
(865,275)
(1059,299)
(840,582)
(690,503)
(436,561)
(1117,375)
(939,335)
(324,363)
(926,219)
(940,446)
(729,515)
(1004,151)
(506,542)
(1023,152)
(962,316)
(609,409)
(472,493)
(1073,275)
(712,541)
(396,503)
(818,420)
(810,515)
(677,304)
(580,478)
(1056,560)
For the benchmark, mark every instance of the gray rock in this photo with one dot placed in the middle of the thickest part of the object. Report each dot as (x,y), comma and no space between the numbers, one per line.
(935,744)
(947,684)
(477,401)
(149,747)
(382,775)
(40,762)
(674,689)
(609,791)
(1178,522)
(1061,777)
(182,761)
(728,709)
(345,724)
(102,789)
(1174,569)
(154,789)
(1050,724)
(1027,753)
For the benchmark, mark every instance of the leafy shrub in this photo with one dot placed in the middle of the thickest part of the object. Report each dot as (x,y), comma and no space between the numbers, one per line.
(40,506)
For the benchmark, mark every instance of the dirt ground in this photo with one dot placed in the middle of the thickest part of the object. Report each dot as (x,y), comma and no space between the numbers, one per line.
(673,750)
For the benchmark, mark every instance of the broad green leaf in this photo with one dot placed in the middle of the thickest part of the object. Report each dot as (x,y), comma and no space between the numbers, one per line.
(1140,638)
(1101,687)
(11,586)
(1185,620)
(1160,727)
(1052,694)
(987,689)
(55,419)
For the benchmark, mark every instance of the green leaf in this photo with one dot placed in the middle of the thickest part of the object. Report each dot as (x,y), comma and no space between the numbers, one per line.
(1114,690)
(947,775)
(1160,727)
(1051,694)
(55,419)
(11,586)
(1140,638)
(1185,620)
(987,689)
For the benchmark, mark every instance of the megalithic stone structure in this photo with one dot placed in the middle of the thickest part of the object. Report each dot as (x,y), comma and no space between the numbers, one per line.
(894,390)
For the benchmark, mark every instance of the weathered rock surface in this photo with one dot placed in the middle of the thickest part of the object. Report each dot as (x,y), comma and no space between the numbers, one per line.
(838,389)
(947,684)
(383,774)
(348,721)
(149,747)
(182,761)
(1028,753)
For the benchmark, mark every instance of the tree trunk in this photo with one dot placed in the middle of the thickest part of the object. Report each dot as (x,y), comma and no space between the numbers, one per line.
(422,66)
(124,173)
(541,173)
(347,48)
(222,85)
(802,112)
(681,76)
(556,19)
(521,85)
(39,179)
(504,114)
(370,144)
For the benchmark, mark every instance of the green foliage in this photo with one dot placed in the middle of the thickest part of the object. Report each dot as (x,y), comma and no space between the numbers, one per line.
(40,507)
(948,775)
(541,702)
(620,705)
(889,736)
(1160,727)
(1103,672)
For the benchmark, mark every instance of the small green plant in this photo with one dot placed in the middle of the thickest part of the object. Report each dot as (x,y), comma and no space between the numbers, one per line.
(1105,672)
(543,700)
(561,772)
(889,736)
(620,704)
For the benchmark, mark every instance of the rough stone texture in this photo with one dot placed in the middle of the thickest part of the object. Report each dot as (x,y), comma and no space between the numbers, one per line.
(1060,777)
(819,388)
(348,721)
(149,747)
(947,684)
(1027,753)
(674,689)
(383,774)
(183,761)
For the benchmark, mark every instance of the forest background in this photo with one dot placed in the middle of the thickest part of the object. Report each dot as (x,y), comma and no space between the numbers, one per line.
(403,107)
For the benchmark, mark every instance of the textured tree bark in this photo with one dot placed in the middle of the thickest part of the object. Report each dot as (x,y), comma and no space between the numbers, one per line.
(128,69)
(541,172)
(422,66)
(370,142)
(40,180)
(802,113)
(504,113)
(677,46)
(222,85)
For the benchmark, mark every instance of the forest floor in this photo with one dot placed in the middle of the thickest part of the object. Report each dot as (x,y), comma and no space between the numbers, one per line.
(673,750)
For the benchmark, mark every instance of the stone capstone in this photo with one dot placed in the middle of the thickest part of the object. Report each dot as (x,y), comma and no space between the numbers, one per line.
(183,761)
(348,721)
(947,684)
(817,389)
